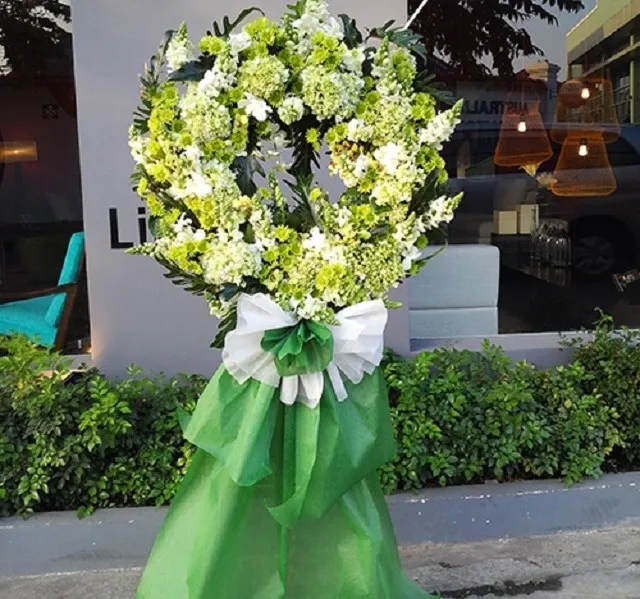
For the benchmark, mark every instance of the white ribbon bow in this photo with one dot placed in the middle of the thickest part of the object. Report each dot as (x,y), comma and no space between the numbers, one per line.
(358,348)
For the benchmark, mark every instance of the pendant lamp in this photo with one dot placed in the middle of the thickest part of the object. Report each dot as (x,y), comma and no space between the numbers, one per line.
(583,168)
(523,138)
(583,103)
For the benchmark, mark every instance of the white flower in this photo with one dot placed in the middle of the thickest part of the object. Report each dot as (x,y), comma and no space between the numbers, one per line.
(309,307)
(183,222)
(353,59)
(179,50)
(316,241)
(291,109)
(389,157)
(211,83)
(239,42)
(185,232)
(229,262)
(193,153)
(255,107)
(353,127)
(138,145)
(410,257)
(441,211)
(197,185)
(362,164)
(264,243)
(440,129)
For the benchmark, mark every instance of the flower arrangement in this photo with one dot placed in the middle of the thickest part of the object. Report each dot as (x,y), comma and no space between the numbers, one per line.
(214,113)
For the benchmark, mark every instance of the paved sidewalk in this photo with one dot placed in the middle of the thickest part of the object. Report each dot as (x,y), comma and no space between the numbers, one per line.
(603,564)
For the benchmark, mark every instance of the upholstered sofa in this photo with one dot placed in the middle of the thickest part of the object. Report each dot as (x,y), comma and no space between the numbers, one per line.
(456,294)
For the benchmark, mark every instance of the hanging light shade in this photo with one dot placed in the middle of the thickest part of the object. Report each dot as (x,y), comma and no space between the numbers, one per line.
(583,103)
(523,137)
(583,167)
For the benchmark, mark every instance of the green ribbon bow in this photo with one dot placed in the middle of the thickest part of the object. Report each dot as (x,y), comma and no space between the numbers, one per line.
(304,348)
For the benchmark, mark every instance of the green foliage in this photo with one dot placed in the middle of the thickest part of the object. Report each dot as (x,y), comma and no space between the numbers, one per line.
(461,416)
(458,416)
(87,443)
(581,430)
(228,27)
(611,356)
(405,38)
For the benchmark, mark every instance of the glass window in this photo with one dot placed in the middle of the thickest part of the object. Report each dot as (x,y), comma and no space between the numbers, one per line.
(40,191)
(548,153)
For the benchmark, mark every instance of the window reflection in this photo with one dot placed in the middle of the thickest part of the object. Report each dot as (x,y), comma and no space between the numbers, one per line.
(550,136)
(40,192)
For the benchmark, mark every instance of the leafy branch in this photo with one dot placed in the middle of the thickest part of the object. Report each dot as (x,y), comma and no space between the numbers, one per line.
(150,82)
(426,82)
(404,38)
(227,26)
(303,215)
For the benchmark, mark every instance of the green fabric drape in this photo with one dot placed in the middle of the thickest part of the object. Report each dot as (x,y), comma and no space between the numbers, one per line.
(282,502)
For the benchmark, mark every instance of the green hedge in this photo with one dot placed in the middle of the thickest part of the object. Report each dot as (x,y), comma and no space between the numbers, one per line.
(458,416)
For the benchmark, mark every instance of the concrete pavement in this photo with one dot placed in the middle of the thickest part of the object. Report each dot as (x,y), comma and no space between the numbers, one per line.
(602,564)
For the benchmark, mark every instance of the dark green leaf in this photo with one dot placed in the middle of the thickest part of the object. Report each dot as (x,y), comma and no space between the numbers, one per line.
(352,35)
(228,27)
(227,324)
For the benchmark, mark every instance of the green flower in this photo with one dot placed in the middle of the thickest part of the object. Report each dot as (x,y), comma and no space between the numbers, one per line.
(213,45)
(263,31)
(264,77)
(313,138)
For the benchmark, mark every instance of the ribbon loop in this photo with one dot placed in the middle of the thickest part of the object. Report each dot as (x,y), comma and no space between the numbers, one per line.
(305,348)
(280,350)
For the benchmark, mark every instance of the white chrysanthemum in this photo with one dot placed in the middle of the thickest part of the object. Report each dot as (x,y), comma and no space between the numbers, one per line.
(255,107)
(193,153)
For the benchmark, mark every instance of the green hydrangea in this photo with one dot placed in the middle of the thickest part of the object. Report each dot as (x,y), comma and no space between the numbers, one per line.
(330,94)
(264,77)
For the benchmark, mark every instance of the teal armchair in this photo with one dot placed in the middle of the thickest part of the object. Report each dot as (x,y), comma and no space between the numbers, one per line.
(43,315)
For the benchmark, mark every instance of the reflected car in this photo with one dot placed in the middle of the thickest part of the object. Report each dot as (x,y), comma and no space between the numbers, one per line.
(605,230)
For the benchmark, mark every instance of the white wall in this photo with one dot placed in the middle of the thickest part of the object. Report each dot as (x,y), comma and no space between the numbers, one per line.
(136,315)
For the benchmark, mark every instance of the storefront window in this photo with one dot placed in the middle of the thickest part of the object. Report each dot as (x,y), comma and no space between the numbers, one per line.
(40,191)
(548,153)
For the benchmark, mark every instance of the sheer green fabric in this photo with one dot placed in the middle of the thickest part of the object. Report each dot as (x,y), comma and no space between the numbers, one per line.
(282,502)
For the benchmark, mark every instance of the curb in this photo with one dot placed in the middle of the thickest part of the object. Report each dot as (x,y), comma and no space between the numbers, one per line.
(122,538)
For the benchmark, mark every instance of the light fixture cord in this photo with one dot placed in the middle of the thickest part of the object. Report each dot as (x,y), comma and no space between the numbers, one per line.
(415,15)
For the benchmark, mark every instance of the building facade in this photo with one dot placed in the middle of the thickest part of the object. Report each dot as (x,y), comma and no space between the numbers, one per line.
(69,118)
(608,39)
